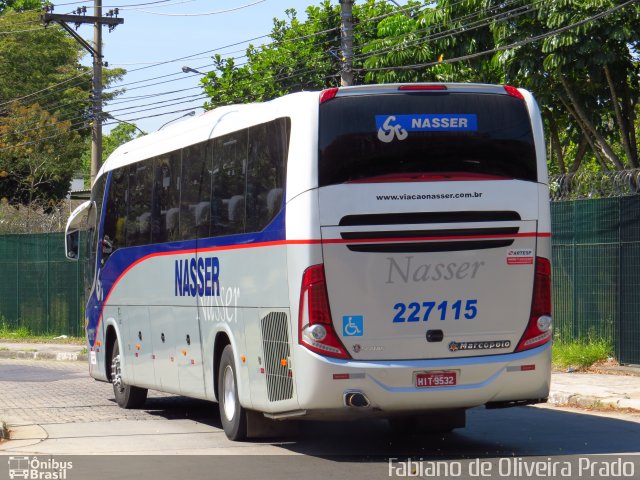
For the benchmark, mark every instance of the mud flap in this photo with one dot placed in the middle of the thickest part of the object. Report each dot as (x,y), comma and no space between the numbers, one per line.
(258,426)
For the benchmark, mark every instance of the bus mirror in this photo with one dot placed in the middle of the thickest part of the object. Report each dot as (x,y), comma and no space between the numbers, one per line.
(78,220)
(107,246)
(72,244)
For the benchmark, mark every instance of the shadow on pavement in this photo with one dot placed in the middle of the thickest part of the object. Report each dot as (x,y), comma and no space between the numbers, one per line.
(519,432)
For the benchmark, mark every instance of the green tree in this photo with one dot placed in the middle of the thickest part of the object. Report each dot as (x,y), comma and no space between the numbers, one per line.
(38,156)
(434,35)
(40,68)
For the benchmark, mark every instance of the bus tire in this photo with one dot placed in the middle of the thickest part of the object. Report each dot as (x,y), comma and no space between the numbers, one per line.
(232,415)
(127,396)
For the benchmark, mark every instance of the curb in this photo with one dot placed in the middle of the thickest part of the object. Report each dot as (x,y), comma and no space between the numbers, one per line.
(584,401)
(58,356)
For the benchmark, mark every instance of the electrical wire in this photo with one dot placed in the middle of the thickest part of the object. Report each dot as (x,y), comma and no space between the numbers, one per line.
(518,44)
(202,14)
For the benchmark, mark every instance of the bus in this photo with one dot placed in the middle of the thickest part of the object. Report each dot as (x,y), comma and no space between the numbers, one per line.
(370,251)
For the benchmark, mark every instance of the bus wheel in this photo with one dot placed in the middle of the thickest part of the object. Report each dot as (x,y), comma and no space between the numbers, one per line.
(232,415)
(127,396)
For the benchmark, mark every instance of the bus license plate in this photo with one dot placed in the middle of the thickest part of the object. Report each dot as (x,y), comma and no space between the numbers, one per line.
(435,379)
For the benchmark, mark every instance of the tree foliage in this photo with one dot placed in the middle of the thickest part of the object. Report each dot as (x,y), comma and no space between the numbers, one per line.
(38,155)
(44,105)
(20,5)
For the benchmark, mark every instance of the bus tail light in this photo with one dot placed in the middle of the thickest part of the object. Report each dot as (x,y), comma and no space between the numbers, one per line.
(538,330)
(315,328)
(513,91)
(422,88)
(328,94)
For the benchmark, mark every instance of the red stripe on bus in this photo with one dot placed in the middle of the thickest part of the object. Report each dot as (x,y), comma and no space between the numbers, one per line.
(277,243)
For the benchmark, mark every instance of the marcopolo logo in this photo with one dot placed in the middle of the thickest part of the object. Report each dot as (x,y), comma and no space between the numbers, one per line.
(490,345)
(38,469)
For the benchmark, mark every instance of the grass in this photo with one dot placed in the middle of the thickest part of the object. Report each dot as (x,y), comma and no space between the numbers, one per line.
(580,354)
(4,431)
(24,335)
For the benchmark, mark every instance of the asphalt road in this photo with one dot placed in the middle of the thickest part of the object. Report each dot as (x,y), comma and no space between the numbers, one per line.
(57,410)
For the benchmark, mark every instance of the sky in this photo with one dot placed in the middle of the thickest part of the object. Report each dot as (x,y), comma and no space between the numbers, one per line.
(162,31)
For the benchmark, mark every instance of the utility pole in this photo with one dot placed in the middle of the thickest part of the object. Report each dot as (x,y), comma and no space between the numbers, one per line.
(78,18)
(96,131)
(346,34)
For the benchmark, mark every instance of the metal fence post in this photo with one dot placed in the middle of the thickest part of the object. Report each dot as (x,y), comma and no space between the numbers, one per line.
(17,282)
(48,237)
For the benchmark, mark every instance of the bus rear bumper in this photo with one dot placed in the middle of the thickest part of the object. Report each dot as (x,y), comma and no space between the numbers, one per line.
(340,388)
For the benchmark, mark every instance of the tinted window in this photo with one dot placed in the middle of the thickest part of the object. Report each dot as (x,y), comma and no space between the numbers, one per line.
(97,196)
(268,145)
(194,205)
(139,214)
(116,213)
(228,183)
(486,134)
(166,199)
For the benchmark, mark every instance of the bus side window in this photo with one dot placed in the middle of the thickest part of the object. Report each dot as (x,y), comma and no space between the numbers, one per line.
(139,215)
(228,184)
(165,211)
(115,214)
(268,145)
(97,195)
(194,213)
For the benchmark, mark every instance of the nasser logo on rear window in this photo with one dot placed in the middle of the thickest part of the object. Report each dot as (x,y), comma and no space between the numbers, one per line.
(392,127)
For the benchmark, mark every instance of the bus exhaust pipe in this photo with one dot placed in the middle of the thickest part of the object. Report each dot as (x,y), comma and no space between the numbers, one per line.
(356,399)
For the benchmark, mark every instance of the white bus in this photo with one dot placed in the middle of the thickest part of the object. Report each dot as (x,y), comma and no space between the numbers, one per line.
(371,251)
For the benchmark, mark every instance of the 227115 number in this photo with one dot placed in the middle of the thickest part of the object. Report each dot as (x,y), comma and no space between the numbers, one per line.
(423,311)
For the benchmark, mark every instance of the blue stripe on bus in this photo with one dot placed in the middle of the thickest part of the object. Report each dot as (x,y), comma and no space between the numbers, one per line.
(123,258)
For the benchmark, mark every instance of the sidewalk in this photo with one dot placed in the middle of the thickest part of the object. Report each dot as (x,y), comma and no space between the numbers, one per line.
(43,351)
(587,390)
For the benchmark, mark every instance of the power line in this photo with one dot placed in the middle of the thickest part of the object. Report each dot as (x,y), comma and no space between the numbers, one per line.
(518,44)
(202,14)
(497,18)
(45,89)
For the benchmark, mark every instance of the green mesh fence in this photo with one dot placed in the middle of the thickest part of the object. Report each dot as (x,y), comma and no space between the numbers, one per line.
(39,288)
(596,272)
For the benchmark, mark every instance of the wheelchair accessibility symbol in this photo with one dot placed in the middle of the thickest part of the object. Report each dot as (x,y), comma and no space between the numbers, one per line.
(352,325)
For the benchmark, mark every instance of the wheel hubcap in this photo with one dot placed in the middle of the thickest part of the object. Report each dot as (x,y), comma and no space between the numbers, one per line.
(229,384)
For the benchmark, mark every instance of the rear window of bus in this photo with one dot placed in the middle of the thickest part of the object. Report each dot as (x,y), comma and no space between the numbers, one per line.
(369,137)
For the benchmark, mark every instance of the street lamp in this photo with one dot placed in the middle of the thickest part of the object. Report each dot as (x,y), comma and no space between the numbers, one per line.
(186,69)
(406,14)
(111,117)
(188,114)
